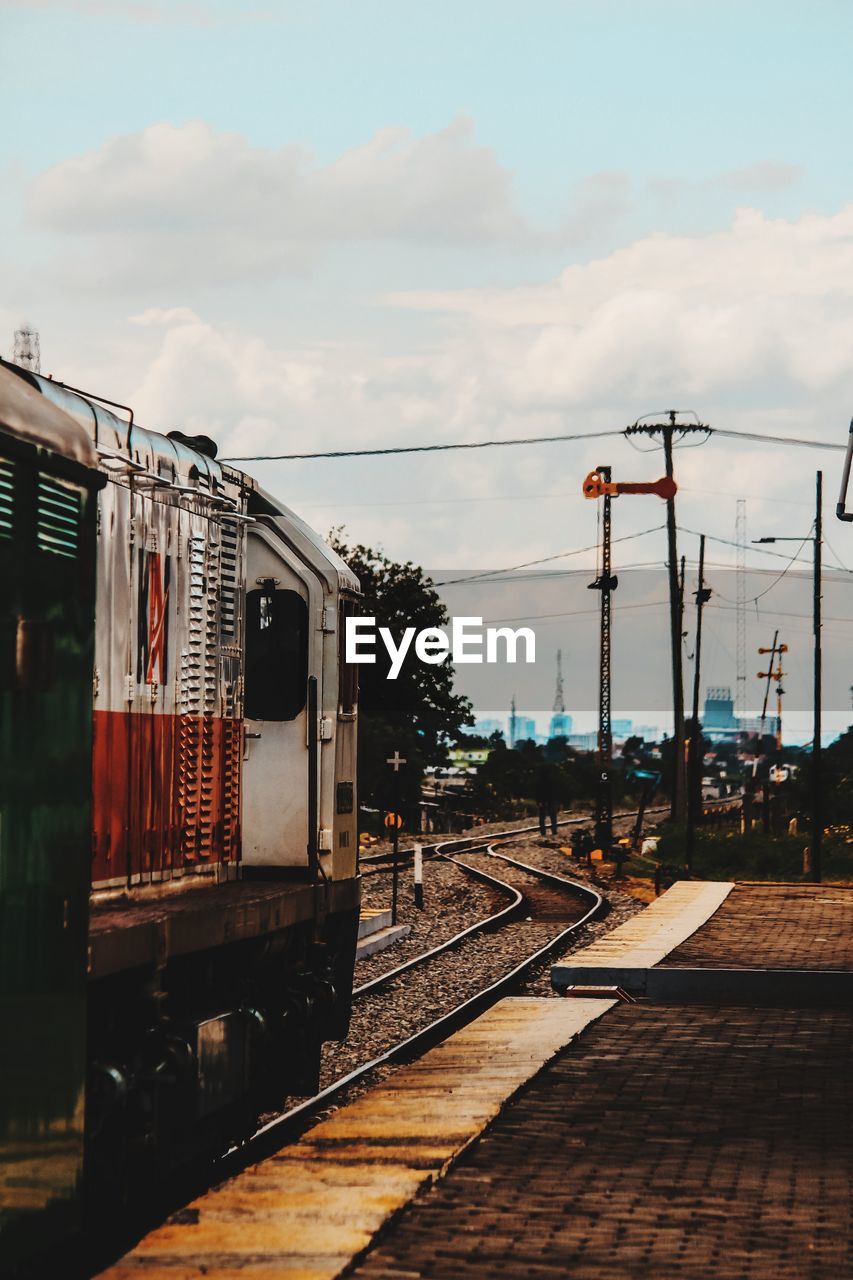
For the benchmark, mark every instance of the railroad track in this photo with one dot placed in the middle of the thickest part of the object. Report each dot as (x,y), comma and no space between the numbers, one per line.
(545,894)
(384,861)
(277,1131)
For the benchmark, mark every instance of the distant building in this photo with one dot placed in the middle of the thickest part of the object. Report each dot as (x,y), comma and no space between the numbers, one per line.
(584,741)
(485,728)
(648,732)
(621,729)
(525,727)
(719,710)
(561,725)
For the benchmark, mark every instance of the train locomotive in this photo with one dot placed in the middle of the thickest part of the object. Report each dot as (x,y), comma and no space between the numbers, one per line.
(179,887)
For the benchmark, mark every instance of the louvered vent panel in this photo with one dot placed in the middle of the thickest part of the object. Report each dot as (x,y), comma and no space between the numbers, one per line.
(192,704)
(7,498)
(57,518)
(211,701)
(228,600)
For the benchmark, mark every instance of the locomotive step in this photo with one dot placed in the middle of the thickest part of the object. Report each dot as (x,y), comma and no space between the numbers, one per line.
(381,939)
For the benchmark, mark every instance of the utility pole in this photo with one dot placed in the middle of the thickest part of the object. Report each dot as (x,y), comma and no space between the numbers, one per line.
(598,484)
(694,777)
(817,747)
(776,650)
(667,430)
(817,753)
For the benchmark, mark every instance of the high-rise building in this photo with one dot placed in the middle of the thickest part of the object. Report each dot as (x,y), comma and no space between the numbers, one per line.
(719,709)
(525,727)
(485,728)
(560,726)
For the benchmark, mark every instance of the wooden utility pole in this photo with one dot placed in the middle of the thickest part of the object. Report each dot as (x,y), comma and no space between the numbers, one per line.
(817,748)
(694,774)
(667,430)
(817,727)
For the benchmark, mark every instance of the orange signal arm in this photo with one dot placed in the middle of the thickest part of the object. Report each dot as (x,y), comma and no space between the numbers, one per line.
(595,487)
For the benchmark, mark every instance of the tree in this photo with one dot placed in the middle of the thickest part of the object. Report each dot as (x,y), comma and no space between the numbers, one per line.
(418,714)
(836,781)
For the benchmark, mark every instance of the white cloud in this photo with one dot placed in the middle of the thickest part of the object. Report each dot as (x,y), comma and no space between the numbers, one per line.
(763,310)
(180,200)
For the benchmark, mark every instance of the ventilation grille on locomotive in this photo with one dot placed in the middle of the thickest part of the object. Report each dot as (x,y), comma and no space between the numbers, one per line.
(228,581)
(57,518)
(7,497)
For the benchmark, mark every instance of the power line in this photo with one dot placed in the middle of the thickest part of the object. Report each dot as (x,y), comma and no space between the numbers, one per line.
(728,542)
(793,560)
(560,555)
(421,448)
(573,613)
(768,439)
(565,496)
(521,440)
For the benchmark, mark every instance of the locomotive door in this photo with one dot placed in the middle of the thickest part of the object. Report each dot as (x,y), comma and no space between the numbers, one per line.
(279,604)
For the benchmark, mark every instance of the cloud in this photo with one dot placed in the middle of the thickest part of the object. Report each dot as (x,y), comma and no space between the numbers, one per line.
(183,200)
(762,310)
(766,175)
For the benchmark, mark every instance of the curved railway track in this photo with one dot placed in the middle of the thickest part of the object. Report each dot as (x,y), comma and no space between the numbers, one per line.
(277,1130)
(535,898)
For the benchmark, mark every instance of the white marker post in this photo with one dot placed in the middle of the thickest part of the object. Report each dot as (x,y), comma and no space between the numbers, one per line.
(395,762)
(419,876)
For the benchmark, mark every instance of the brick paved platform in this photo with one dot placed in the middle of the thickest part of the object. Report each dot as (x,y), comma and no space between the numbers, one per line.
(774,926)
(704,1144)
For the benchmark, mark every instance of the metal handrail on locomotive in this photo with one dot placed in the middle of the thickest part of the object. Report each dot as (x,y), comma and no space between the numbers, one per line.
(178,883)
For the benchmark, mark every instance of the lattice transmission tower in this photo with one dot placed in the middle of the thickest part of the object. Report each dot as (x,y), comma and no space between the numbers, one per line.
(740,573)
(559,700)
(26,351)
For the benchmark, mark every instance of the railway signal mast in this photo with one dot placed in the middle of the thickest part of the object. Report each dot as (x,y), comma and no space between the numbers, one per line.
(598,484)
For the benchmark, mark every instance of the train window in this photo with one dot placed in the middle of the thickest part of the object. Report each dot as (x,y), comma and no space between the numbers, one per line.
(276,654)
(347,671)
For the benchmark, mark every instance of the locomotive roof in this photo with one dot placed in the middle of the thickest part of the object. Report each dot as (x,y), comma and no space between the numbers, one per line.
(101,432)
(32,418)
(305,540)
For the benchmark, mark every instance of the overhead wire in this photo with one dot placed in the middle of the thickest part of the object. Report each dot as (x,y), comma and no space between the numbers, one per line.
(560,555)
(423,448)
(521,440)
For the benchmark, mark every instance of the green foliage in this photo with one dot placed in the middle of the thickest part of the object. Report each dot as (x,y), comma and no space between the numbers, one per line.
(416,714)
(837,779)
(512,779)
(723,855)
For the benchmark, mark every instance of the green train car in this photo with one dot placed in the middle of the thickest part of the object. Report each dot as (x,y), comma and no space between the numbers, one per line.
(48,483)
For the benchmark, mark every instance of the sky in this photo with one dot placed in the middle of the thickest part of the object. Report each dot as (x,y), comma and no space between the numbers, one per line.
(308,226)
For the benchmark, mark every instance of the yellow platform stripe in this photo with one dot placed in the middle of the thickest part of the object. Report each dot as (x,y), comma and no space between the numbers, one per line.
(306,1213)
(648,937)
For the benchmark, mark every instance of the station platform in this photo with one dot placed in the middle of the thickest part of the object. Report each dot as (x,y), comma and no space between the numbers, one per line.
(585,1138)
